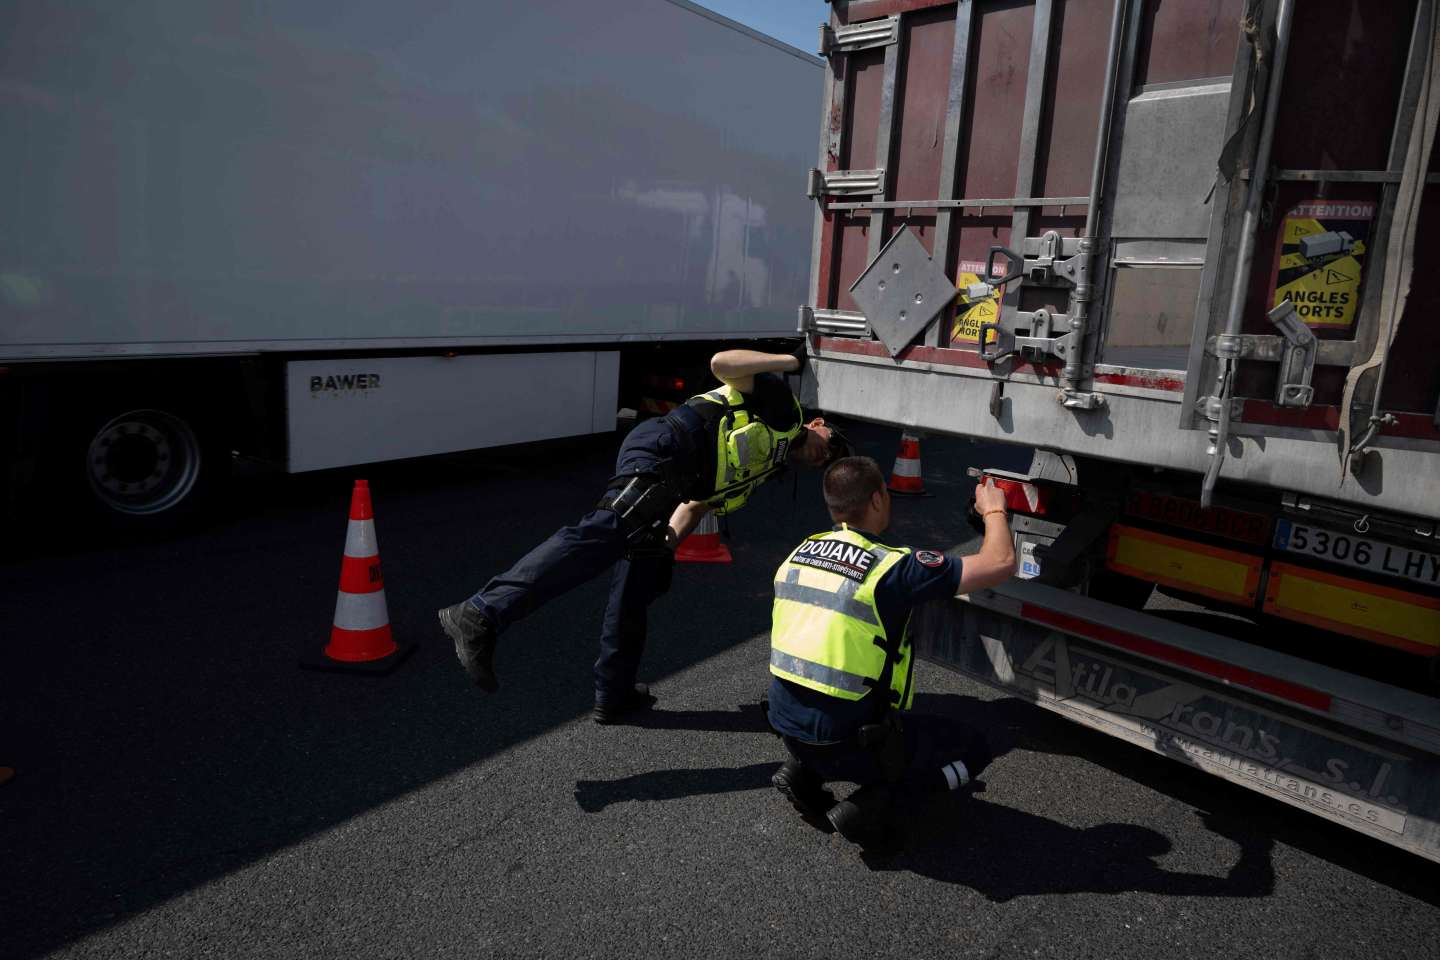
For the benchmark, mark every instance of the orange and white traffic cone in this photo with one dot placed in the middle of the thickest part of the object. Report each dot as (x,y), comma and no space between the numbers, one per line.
(704,544)
(906,479)
(360,640)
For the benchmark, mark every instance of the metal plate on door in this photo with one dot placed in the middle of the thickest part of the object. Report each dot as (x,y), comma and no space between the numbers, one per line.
(902,290)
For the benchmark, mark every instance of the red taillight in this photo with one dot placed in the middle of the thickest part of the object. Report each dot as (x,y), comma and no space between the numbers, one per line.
(660,382)
(1038,498)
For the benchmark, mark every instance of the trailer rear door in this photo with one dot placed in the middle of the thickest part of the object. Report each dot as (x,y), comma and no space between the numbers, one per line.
(1073,182)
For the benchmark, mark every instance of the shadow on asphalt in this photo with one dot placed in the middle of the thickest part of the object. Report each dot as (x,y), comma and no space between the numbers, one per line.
(996,850)
(1005,853)
(745,718)
(164,736)
(592,796)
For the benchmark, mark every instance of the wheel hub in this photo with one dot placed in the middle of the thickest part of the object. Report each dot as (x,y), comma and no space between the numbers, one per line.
(143,462)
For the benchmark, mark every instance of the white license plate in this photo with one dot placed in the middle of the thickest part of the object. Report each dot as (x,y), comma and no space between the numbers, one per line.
(1357,551)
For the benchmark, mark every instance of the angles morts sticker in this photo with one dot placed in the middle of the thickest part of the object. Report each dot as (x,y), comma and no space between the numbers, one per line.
(970,314)
(1319,260)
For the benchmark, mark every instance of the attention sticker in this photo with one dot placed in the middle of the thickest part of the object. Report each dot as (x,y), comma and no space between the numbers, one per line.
(1320,260)
(969,314)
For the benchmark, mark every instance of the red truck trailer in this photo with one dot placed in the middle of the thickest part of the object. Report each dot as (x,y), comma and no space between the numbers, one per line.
(1184,251)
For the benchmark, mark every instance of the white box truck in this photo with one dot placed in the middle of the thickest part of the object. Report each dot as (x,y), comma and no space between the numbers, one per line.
(342,233)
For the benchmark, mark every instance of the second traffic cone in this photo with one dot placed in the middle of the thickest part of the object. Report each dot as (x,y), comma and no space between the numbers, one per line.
(360,640)
(704,544)
(906,478)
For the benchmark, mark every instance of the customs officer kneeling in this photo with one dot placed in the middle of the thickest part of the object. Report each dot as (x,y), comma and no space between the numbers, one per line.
(842,664)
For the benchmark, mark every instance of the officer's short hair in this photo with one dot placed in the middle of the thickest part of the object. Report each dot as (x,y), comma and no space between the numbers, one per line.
(849,484)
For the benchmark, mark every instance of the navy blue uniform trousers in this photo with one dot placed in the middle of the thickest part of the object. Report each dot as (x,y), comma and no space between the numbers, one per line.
(577,553)
(931,741)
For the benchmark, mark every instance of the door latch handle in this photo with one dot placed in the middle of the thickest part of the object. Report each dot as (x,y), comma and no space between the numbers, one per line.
(1014,264)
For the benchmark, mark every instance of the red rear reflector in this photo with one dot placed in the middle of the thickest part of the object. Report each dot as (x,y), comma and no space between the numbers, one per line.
(677,384)
(1035,497)
(1019,496)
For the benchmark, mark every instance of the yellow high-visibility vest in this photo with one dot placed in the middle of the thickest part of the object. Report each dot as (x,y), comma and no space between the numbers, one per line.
(826,633)
(748,451)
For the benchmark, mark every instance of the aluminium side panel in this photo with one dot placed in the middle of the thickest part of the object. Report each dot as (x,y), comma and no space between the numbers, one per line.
(202,177)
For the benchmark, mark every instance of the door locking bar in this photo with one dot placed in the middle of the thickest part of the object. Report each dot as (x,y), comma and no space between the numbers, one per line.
(1297,362)
(1046,261)
(1295,350)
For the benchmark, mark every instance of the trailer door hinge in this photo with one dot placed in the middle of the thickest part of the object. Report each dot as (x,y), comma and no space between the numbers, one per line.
(844,183)
(1229,346)
(807,320)
(1081,400)
(859,36)
(1210,408)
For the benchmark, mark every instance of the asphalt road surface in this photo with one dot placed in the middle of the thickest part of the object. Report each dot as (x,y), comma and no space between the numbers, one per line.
(183,790)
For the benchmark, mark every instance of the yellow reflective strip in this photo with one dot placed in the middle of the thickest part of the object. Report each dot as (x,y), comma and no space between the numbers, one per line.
(1354,607)
(1223,574)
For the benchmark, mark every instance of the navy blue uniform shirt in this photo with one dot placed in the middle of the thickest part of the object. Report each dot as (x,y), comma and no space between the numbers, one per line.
(816,717)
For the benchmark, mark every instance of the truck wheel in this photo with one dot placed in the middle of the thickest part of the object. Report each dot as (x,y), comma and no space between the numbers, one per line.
(149,468)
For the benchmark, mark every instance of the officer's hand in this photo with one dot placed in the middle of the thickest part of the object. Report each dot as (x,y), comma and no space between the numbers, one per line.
(988,498)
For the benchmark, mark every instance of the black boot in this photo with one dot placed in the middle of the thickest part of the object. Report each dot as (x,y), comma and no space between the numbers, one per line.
(474,638)
(803,790)
(615,711)
(847,819)
(864,817)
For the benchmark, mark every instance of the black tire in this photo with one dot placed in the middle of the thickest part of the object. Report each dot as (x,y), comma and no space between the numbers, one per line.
(147,464)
